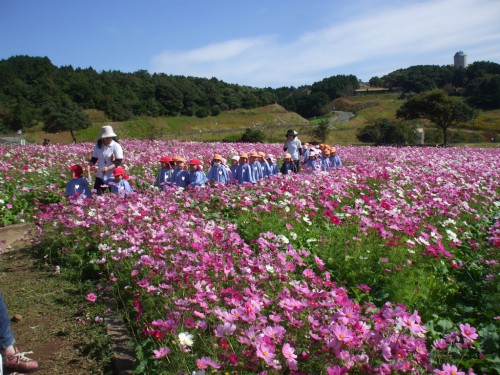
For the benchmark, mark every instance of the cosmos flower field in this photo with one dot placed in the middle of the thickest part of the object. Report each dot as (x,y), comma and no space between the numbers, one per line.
(388,264)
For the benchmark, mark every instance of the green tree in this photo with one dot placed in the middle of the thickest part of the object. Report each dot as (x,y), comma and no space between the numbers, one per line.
(64,115)
(387,132)
(321,130)
(436,106)
(253,136)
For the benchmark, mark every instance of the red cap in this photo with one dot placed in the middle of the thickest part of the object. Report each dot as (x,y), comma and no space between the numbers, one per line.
(120,171)
(194,162)
(77,170)
(165,159)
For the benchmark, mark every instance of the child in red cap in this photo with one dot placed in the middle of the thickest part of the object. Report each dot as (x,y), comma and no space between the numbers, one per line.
(78,185)
(163,177)
(196,175)
(119,185)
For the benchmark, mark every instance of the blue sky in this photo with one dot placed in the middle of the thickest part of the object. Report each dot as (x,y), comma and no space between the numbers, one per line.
(261,43)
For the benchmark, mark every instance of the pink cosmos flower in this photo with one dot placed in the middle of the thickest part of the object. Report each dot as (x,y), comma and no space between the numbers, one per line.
(206,362)
(160,353)
(468,332)
(439,344)
(91,297)
(291,358)
(266,352)
(342,333)
(449,370)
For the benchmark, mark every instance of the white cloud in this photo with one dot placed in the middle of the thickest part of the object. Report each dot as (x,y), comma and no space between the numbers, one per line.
(384,38)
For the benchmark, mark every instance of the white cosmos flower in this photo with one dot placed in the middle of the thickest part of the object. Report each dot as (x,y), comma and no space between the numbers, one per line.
(186,339)
(283,239)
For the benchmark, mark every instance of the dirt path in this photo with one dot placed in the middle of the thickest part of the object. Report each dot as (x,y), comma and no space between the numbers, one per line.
(46,304)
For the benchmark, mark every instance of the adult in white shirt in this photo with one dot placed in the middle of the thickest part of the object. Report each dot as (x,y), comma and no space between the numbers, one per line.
(108,154)
(294,147)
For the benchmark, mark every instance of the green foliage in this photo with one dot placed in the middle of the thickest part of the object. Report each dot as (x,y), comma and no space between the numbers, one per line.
(484,92)
(336,86)
(386,132)
(419,78)
(202,112)
(253,136)
(321,131)
(439,108)
(64,115)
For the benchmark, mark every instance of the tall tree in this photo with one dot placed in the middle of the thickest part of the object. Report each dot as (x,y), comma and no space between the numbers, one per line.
(64,115)
(436,106)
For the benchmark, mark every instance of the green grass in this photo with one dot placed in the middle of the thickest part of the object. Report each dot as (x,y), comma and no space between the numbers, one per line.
(272,119)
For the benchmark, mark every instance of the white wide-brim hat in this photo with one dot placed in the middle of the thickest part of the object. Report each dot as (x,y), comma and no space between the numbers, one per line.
(107,132)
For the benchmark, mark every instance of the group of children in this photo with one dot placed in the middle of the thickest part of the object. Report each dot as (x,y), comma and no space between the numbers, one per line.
(243,168)
(80,185)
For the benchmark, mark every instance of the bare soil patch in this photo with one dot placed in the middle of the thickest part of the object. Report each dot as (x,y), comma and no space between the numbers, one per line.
(47,304)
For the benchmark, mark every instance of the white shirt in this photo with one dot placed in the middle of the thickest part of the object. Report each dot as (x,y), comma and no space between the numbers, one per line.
(105,158)
(293,148)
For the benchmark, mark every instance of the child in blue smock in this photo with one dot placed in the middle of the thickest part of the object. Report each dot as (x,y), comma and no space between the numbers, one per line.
(325,160)
(313,164)
(235,163)
(119,184)
(271,160)
(165,173)
(218,172)
(288,165)
(78,185)
(244,172)
(334,158)
(196,175)
(256,166)
(180,175)
(266,169)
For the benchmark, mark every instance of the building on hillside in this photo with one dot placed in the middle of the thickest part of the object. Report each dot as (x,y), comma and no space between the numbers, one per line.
(460,60)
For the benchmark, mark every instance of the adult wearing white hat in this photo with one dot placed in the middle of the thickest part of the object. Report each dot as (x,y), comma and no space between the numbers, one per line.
(108,154)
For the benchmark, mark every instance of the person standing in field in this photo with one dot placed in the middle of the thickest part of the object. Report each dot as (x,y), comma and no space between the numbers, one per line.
(294,147)
(196,175)
(256,166)
(244,172)
(218,172)
(163,177)
(288,165)
(235,163)
(108,155)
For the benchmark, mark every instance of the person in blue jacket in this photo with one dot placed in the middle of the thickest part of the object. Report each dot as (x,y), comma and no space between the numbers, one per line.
(218,172)
(78,185)
(334,158)
(119,184)
(266,168)
(235,163)
(256,166)
(244,172)
(163,177)
(288,165)
(271,160)
(180,176)
(196,175)
(325,160)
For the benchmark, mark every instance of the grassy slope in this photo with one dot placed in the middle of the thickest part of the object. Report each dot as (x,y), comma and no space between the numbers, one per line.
(229,125)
